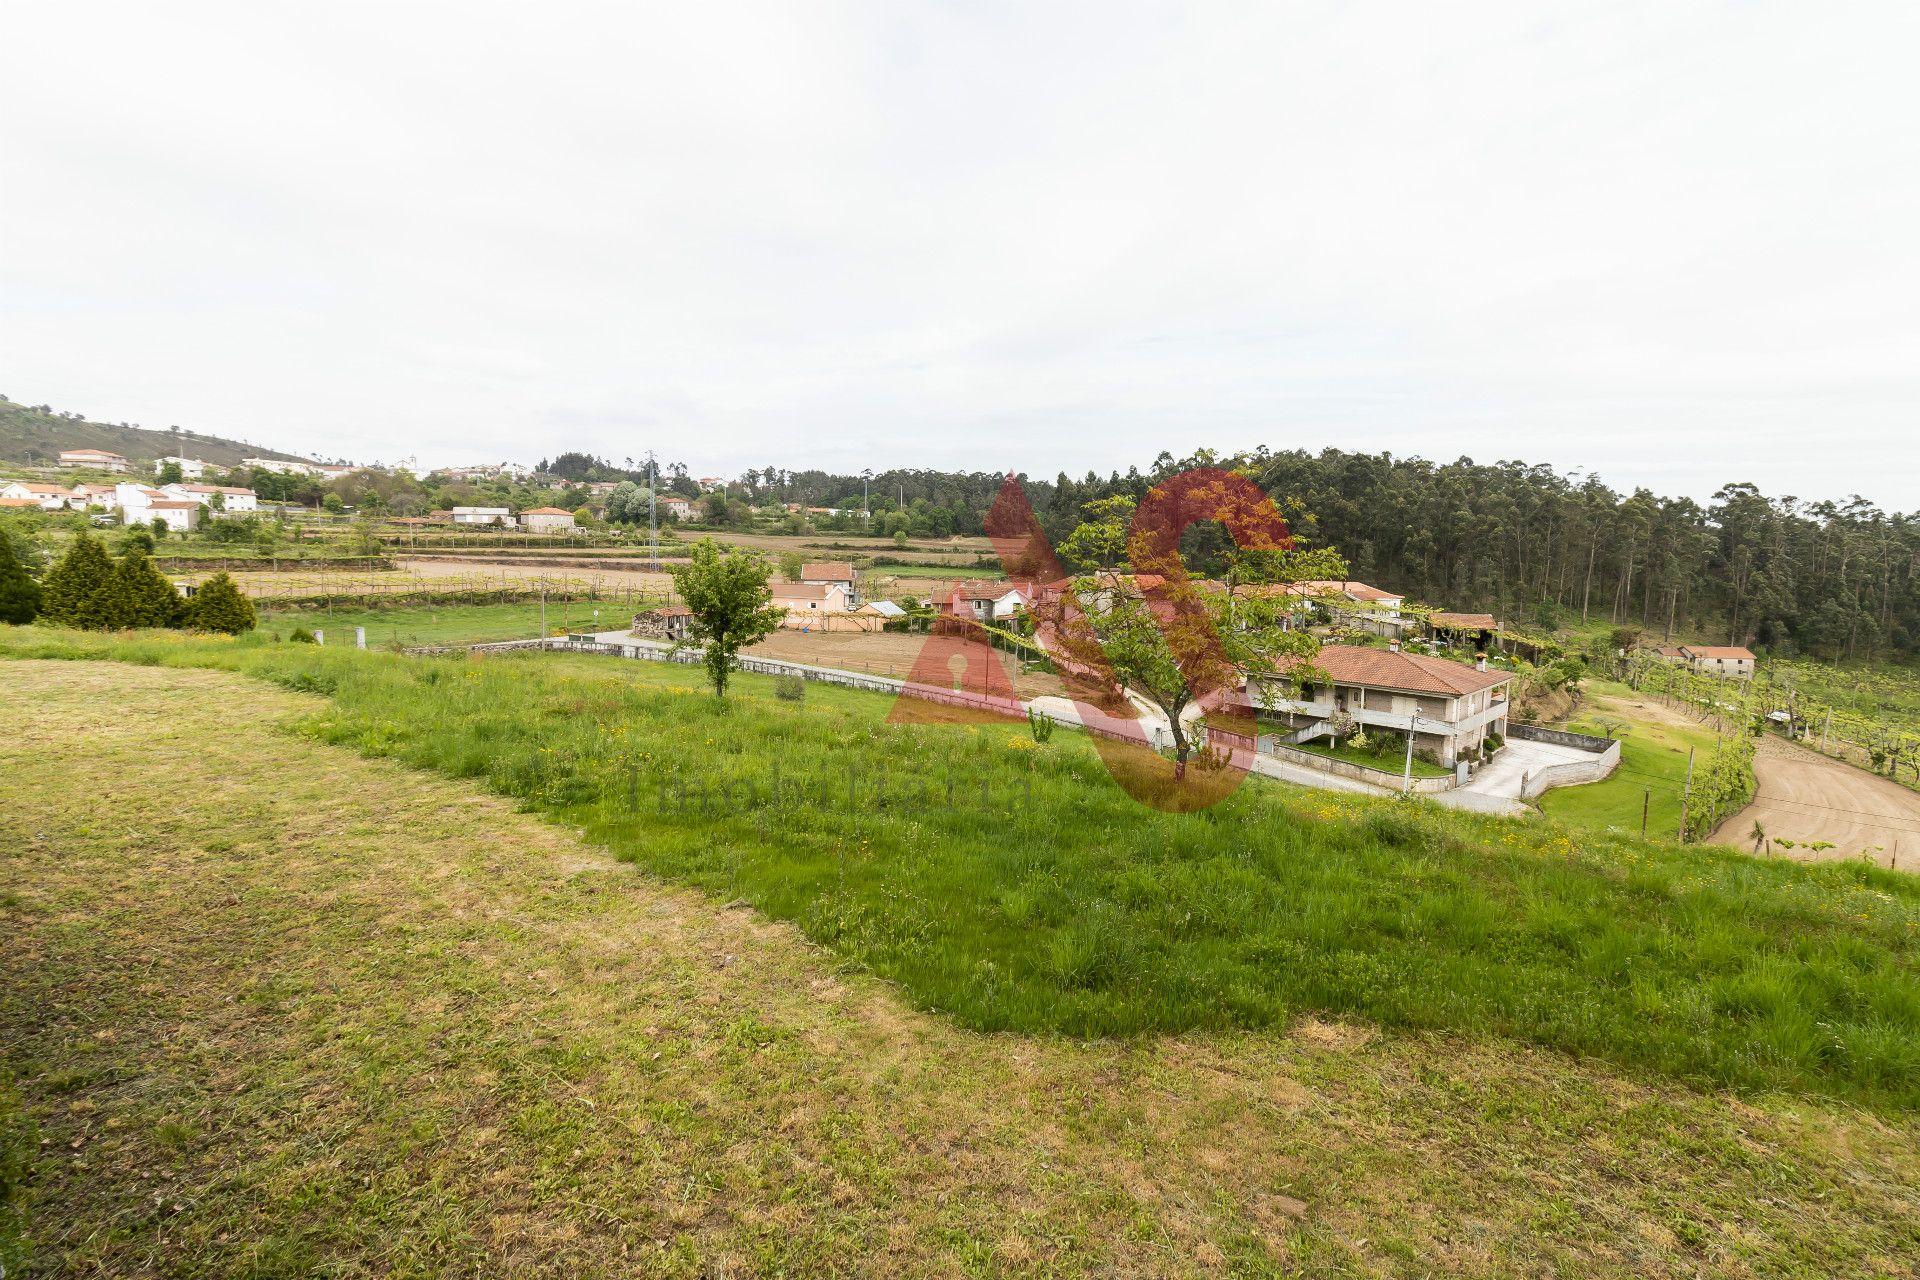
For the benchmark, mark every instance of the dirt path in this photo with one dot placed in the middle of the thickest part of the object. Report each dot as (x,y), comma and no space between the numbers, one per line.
(1803,797)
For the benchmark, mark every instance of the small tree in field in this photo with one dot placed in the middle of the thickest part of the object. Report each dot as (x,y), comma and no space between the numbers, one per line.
(219,605)
(791,565)
(151,600)
(728,594)
(19,593)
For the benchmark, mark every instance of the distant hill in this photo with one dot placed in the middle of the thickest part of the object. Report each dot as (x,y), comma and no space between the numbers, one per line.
(35,434)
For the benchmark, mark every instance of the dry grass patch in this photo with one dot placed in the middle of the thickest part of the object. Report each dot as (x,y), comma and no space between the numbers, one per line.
(279,1009)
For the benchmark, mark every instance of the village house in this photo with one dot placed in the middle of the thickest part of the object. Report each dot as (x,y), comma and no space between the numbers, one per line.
(190,468)
(134,499)
(1358,605)
(839,573)
(48,497)
(182,515)
(988,602)
(669,622)
(233,500)
(87,496)
(808,603)
(97,459)
(19,504)
(673,506)
(284,466)
(1730,661)
(1450,708)
(482,515)
(547,520)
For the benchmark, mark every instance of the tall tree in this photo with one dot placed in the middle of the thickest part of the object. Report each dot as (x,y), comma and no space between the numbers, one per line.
(82,591)
(19,593)
(728,595)
(151,600)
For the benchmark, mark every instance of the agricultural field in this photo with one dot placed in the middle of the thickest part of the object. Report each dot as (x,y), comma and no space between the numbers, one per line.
(450,624)
(1654,742)
(291,1005)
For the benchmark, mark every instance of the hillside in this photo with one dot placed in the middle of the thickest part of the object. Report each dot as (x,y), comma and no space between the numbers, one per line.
(337,1014)
(35,435)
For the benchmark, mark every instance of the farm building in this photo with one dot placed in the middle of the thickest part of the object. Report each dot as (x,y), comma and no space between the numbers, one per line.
(481,515)
(1476,629)
(669,622)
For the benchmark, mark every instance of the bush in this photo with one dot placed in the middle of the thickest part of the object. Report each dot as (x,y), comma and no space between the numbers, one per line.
(300,635)
(219,605)
(1039,725)
(19,593)
(790,688)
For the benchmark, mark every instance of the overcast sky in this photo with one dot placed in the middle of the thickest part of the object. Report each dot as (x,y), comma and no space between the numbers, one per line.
(1673,244)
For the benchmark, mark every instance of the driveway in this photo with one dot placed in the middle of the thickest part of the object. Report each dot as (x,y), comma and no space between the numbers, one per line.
(1516,762)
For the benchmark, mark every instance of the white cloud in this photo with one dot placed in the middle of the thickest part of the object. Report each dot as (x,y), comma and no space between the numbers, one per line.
(1670,243)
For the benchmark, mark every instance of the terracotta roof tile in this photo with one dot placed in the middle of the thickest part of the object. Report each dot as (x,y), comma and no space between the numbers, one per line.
(1412,672)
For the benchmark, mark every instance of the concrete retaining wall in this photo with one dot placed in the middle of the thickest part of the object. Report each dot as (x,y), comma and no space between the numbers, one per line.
(1603,758)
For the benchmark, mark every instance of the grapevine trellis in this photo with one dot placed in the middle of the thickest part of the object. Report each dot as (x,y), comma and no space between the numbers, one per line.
(1892,750)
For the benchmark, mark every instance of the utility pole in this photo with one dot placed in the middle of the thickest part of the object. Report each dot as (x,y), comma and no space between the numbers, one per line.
(653,529)
(543,610)
(1412,720)
(866,512)
(1646,810)
(1686,796)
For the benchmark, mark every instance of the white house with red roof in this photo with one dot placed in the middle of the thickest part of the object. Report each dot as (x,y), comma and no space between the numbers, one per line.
(547,520)
(48,497)
(1729,660)
(98,459)
(233,500)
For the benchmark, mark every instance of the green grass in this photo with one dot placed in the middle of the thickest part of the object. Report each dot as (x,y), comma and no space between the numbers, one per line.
(277,1008)
(1652,773)
(1042,899)
(451,624)
(1393,761)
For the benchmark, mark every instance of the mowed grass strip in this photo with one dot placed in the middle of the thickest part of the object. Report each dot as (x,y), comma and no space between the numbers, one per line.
(279,1009)
(1014,887)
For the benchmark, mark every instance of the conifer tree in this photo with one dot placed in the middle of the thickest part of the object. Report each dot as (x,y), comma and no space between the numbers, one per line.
(151,600)
(219,605)
(82,591)
(19,593)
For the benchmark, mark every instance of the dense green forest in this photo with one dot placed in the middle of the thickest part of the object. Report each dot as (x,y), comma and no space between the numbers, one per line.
(1838,579)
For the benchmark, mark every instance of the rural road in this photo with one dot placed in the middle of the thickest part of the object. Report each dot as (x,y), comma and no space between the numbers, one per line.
(1804,796)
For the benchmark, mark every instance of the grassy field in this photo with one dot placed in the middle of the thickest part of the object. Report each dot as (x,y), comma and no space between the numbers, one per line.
(450,624)
(281,1008)
(1015,888)
(1653,759)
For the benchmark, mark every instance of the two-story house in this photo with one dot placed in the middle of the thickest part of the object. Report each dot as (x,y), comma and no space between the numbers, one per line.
(1450,707)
